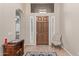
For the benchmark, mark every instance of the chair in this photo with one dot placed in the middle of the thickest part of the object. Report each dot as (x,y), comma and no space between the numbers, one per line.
(57,41)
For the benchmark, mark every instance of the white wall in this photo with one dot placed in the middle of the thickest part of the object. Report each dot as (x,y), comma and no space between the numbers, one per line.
(57,9)
(27,23)
(70,27)
(7,21)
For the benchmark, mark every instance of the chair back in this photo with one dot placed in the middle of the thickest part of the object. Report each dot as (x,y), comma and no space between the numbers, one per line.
(57,37)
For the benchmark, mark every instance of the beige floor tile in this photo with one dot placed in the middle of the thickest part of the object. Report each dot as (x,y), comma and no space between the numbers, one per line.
(46,48)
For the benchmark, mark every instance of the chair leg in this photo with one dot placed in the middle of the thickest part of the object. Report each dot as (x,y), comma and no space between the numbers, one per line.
(56,46)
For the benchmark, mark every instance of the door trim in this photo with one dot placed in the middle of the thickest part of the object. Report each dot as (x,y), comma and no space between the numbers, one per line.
(51,28)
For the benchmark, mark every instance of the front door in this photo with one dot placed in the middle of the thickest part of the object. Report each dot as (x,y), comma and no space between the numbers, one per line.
(42,30)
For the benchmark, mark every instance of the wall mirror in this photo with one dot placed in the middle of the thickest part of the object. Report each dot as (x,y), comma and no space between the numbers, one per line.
(18,22)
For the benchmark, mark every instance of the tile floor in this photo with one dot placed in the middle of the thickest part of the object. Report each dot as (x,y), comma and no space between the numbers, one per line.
(45,48)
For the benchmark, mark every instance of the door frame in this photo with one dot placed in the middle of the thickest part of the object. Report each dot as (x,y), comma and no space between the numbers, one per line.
(51,18)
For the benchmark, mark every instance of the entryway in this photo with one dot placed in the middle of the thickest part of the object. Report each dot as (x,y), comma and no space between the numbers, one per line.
(42,32)
(42,28)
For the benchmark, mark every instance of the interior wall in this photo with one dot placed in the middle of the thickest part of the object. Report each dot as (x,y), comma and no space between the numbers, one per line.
(27,21)
(57,9)
(7,21)
(70,27)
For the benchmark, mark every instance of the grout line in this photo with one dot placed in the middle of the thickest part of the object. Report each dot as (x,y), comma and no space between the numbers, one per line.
(67,51)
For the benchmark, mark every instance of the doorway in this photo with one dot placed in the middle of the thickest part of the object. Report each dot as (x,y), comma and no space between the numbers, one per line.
(42,30)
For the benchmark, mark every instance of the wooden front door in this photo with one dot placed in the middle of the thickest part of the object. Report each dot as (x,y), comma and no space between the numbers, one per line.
(42,30)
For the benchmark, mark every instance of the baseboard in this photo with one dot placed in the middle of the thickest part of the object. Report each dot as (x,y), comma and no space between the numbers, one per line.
(67,51)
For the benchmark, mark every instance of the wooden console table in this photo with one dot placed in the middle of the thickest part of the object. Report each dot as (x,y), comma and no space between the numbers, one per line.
(14,48)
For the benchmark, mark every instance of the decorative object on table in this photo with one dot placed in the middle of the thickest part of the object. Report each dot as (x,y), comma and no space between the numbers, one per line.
(5,40)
